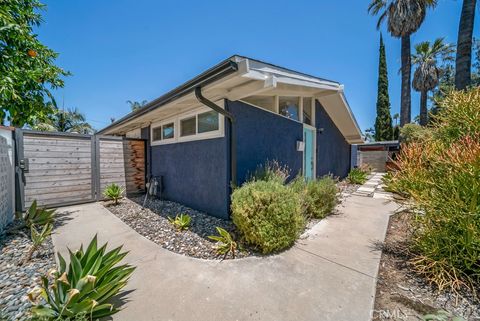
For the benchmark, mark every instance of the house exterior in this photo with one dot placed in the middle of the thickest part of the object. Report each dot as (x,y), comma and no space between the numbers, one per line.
(216,129)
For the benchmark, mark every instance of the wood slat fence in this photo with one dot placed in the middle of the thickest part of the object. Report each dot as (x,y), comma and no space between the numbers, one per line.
(60,169)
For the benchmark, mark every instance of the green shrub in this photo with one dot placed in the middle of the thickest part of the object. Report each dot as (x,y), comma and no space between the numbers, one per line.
(181,222)
(442,177)
(320,198)
(225,242)
(113,192)
(271,171)
(84,287)
(36,216)
(357,176)
(268,214)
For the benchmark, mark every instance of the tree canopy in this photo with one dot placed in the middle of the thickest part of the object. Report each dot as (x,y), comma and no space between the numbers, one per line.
(383,121)
(26,65)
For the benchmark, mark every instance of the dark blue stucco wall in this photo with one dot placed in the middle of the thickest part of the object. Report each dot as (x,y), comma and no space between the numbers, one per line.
(333,151)
(194,174)
(264,136)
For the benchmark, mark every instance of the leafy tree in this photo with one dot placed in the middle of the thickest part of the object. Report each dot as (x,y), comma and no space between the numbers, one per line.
(67,121)
(383,121)
(370,134)
(27,67)
(396,116)
(135,105)
(403,17)
(463,63)
(428,72)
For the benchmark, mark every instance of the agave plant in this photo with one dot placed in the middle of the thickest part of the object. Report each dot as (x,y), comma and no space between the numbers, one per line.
(38,238)
(181,222)
(37,216)
(113,192)
(225,242)
(84,287)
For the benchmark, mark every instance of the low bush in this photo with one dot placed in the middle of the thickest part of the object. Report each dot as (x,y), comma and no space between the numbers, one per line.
(411,133)
(113,192)
(267,214)
(357,176)
(321,197)
(84,287)
(442,177)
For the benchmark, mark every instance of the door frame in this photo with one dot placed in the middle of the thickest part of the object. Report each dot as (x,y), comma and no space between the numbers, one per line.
(314,151)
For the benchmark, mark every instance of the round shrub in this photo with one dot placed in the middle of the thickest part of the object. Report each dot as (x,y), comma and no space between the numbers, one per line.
(320,197)
(268,215)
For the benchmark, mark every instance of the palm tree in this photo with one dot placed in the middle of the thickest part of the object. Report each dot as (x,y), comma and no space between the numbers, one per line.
(67,121)
(403,17)
(463,63)
(427,74)
(395,117)
(135,105)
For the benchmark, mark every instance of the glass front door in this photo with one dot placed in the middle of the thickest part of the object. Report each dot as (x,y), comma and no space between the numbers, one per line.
(309,152)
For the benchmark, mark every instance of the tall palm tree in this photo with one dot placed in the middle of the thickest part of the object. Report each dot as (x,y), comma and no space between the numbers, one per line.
(67,121)
(403,17)
(463,63)
(395,117)
(427,74)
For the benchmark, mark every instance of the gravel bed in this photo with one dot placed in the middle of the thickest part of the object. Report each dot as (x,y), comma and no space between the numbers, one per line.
(152,222)
(17,280)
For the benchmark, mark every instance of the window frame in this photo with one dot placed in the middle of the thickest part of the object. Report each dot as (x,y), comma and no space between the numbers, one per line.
(176,120)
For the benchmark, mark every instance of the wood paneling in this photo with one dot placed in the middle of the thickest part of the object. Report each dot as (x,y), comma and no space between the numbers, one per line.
(63,170)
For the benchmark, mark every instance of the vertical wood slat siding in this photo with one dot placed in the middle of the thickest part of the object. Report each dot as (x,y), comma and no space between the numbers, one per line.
(60,169)
(134,158)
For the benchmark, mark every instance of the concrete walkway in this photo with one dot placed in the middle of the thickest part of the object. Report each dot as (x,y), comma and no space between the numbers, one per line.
(328,275)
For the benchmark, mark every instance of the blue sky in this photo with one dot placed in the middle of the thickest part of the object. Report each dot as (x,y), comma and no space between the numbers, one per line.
(137,50)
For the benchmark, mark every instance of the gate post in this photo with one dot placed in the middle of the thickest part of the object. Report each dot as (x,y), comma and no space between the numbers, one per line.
(19,174)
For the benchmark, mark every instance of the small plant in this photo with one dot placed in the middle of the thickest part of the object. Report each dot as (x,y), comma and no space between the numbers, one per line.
(268,214)
(181,222)
(113,192)
(442,316)
(225,242)
(84,287)
(36,216)
(38,238)
(357,176)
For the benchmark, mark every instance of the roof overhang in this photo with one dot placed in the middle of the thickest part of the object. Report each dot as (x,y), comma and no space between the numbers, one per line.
(240,77)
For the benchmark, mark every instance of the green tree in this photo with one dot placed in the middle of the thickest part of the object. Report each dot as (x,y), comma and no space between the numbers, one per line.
(67,121)
(428,72)
(463,63)
(383,121)
(135,105)
(403,17)
(27,66)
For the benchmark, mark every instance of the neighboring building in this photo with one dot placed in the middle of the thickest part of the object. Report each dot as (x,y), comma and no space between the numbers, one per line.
(380,156)
(303,122)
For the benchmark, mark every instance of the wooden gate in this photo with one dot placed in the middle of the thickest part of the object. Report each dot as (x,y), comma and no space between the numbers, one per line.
(59,169)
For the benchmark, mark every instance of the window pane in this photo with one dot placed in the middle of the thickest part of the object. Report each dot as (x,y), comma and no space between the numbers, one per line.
(307,111)
(288,107)
(207,122)
(157,134)
(265,102)
(188,126)
(168,131)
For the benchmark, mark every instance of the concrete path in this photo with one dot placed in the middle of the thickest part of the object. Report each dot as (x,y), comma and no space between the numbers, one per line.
(330,274)
(373,187)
